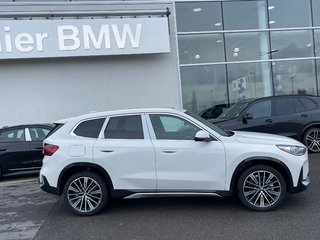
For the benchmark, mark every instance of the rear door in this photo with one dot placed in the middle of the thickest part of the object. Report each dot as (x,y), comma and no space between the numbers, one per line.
(125,151)
(292,115)
(14,151)
(37,134)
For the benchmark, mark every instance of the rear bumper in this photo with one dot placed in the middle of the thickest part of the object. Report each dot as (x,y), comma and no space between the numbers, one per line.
(44,185)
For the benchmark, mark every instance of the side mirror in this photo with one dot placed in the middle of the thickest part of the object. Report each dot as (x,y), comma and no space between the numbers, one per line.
(247,116)
(202,136)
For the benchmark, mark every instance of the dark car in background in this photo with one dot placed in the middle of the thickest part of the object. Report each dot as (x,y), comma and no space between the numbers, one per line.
(21,148)
(295,116)
(214,111)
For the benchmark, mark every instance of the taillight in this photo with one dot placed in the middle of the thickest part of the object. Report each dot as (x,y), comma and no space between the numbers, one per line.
(49,149)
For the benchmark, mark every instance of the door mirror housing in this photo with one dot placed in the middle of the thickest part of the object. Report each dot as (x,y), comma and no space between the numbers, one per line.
(247,116)
(202,136)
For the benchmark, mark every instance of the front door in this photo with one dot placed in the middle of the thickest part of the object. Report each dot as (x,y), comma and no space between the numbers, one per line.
(182,163)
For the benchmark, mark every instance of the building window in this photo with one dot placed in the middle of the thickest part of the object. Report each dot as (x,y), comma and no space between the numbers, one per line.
(249,80)
(244,15)
(294,77)
(289,13)
(203,87)
(247,46)
(201,48)
(291,44)
(198,16)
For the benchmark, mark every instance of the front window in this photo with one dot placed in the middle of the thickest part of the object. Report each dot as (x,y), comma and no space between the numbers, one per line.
(260,109)
(234,111)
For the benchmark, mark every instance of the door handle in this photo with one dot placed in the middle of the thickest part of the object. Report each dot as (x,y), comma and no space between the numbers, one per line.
(107,151)
(39,148)
(304,115)
(169,151)
(269,121)
(3,150)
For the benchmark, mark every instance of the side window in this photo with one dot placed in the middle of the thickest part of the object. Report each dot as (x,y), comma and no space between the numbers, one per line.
(260,109)
(307,104)
(124,127)
(38,134)
(15,135)
(89,128)
(284,106)
(172,127)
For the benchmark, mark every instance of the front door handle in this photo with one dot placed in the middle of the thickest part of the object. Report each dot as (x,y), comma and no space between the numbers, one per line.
(269,121)
(304,115)
(3,150)
(107,150)
(169,151)
(39,148)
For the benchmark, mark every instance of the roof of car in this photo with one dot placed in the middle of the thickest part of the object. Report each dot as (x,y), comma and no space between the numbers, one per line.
(121,112)
(278,96)
(50,125)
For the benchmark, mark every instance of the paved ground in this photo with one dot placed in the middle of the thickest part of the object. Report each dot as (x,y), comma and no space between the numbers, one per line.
(23,208)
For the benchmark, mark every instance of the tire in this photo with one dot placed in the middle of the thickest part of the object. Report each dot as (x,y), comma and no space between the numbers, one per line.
(85,193)
(261,188)
(311,139)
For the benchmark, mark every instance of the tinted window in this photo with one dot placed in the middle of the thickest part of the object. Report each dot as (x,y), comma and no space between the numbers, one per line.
(261,109)
(38,134)
(307,104)
(284,106)
(13,135)
(124,127)
(90,128)
(171,127)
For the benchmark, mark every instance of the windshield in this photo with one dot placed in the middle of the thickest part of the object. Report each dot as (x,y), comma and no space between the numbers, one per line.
(234,111)
(209,124)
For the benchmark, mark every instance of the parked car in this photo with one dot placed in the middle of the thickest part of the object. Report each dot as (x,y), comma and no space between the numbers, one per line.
(214,111)
(293,116)
(21,148)
(164,152)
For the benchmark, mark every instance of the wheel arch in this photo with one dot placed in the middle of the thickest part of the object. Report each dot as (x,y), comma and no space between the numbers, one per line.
(312,125)
(73,168)
(272,162)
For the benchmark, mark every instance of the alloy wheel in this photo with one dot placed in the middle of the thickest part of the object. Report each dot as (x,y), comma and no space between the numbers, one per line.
(262,189)
(312,140)
(84,194)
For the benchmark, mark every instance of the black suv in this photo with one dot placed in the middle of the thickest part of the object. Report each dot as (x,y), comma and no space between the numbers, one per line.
(21,148)
(293,116)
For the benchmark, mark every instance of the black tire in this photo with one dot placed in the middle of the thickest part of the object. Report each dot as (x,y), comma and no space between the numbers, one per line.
(311,139)
(85,193)
(261,188)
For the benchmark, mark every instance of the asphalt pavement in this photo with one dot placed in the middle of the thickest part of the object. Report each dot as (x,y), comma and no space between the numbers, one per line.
(161,218)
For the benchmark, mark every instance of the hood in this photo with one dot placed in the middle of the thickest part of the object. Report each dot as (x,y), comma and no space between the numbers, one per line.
(264,138)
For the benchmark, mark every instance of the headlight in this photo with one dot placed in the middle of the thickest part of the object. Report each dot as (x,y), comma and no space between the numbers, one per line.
(294,150)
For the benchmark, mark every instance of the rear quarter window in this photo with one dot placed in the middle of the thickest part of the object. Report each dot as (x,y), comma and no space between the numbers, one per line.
(89,128)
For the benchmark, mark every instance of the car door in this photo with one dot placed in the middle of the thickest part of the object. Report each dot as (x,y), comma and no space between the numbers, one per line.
(291,116)
(125,151)
(262,117)
(183,163)
(37,135)
(14,151)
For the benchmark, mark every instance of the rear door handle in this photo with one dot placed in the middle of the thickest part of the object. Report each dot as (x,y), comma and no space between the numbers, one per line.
(3,150)
(304,115)
(107,150)
(269,121)
(39,148)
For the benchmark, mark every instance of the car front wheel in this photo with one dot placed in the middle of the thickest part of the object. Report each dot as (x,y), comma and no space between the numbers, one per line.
(85,193)
(261,188)
(312,140)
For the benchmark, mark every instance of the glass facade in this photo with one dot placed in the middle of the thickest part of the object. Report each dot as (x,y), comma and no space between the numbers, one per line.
(232,50)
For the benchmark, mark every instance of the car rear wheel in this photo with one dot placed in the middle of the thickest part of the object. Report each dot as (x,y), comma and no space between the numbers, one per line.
(85,193)
(312,139)
(261,188)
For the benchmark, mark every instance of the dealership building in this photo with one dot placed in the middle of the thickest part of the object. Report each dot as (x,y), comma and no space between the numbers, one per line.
(65,58)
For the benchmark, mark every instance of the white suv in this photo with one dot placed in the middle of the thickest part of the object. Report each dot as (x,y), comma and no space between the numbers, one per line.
(165,152)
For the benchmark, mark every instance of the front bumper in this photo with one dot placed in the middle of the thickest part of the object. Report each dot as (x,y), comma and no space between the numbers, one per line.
(303,183)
